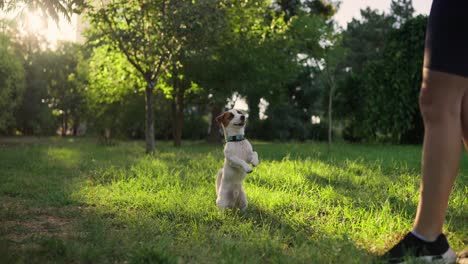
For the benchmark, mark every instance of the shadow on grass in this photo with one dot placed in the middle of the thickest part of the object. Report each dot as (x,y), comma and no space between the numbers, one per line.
(177,236)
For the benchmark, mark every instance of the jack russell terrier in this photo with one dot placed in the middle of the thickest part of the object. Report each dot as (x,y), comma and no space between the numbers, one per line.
(238,154)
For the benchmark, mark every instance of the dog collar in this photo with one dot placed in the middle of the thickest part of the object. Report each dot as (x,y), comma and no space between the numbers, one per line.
(235,138)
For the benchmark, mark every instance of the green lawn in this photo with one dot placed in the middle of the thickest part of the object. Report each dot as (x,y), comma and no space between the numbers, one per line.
(76,201)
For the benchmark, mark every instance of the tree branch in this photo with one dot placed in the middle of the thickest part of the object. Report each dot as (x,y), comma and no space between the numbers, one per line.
(121,44)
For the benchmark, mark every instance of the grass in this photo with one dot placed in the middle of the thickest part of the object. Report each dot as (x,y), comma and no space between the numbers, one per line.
(76,201)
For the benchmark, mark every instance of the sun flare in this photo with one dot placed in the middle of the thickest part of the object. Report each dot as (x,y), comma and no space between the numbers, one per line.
(53,31)
(35,21)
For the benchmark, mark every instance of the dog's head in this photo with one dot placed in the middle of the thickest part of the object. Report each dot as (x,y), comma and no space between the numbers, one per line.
(233,119)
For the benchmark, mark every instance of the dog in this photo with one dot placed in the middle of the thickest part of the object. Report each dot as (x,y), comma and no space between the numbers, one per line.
(238,154)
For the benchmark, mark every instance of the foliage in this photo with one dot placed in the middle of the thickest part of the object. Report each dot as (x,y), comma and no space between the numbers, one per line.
(33,115)
(196,125)
(312,43)
(141,32)
(12,84)
(366,38)
(110,77)
(51,8)
(252,55)
(401,11)
(158,38)
(292,8)
(392,86)
(256,55)
(77,201)
(222,47)
(138,30)
(286,122)
(348,101)
(65,84)
(305,30)
(377,98)
(198,25)
(54,80)
(112,92)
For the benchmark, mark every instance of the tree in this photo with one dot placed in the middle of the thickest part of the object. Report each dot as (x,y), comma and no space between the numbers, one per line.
(401,11)
(182,89)
(293,8)
(11,84)
(249,50)
(263,54)
(65,92)
(52,8)
(112,83)
(322,50)
(33,115)
(365,41)
(141,31)
(366,38)
(186,31)
(376,97)
(333,56)
(301,90)
(392,86)
(53,84)
(198,26)
(242,54)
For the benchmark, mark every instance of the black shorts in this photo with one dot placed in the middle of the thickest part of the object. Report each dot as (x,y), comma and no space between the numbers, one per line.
(447,37)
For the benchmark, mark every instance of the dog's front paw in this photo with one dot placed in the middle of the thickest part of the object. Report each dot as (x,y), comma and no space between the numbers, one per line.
(255,160)
(248,169)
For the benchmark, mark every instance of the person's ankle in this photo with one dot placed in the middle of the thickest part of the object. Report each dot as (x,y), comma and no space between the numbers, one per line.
(424,237)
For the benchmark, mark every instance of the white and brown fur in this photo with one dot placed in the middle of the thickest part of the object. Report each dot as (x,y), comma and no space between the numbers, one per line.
(238,154)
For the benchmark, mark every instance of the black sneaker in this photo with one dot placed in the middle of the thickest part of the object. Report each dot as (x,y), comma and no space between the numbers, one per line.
(411,247)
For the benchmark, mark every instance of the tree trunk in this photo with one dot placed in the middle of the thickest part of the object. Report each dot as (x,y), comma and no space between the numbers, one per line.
(178,114)
(330,109)
(76,123)
(64,124)
(253,102)
(213,134)
(149,128)
(107,135)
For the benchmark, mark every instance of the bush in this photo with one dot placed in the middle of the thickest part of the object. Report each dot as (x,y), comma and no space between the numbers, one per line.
(319,132)
(286,122)
(388,90)
(195,126)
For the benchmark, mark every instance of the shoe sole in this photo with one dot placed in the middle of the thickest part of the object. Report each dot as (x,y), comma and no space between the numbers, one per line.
(449,257)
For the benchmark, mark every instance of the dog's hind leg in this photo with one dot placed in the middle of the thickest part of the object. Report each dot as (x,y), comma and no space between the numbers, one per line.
(219,178)
(242,199)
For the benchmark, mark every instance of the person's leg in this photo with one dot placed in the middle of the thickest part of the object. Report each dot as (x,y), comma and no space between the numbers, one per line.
(441,107)
(464,254)
(464,116)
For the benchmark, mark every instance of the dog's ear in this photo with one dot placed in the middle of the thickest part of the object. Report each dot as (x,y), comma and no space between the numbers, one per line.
(224,118)
(220,118)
